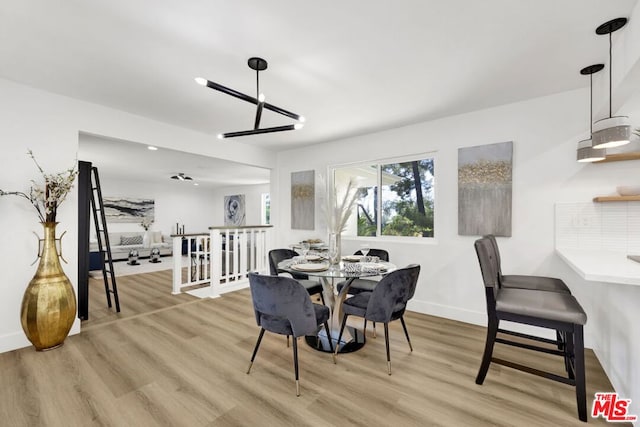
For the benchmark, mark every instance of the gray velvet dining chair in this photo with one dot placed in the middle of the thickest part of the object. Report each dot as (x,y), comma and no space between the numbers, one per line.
(386,303)
(276,256)
(365,285)
(283,306)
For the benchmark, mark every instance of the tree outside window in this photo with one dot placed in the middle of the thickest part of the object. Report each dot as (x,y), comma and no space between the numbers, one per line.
(395,198)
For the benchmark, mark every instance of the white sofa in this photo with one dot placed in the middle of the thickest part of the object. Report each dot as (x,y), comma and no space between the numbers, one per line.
(122,243)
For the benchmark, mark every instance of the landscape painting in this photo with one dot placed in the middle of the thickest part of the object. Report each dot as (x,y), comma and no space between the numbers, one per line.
(234,210)
(125,209)
(484,189)
(303,200)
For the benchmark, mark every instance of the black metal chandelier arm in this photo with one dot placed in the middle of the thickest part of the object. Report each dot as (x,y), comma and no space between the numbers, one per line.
(256,124)
(232,92)
(282,111)
(258,131)
(251,99)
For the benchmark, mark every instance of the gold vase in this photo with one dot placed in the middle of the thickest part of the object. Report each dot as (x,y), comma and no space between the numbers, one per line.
(49,302)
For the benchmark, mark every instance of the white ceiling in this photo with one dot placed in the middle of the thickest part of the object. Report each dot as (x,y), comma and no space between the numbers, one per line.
(129,161)
(350,67)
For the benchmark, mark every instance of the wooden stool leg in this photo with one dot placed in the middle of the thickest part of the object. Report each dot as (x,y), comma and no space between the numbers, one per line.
(492,331)
(581,395)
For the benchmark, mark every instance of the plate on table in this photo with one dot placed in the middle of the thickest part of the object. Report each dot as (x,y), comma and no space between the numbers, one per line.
(314,258)
(310,267)
(352,258)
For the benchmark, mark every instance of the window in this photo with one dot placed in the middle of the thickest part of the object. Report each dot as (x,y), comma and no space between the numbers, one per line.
(395,197)
(265,209)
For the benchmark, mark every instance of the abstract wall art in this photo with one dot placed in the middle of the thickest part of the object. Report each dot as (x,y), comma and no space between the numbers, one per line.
(303,200)
(125,209)
(234,210)
(484,189)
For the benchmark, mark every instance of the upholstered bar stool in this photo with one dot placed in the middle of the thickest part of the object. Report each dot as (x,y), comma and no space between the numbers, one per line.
(518,281)
(553,310)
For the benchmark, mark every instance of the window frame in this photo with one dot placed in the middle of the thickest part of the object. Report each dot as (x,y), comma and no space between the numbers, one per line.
(378,163)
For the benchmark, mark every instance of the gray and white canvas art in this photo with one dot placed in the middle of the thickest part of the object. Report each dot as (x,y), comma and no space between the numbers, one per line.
(234,210)
(484,189)
(303,200)
(126,209)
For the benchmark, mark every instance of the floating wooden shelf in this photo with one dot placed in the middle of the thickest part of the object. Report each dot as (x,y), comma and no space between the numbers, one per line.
(601,199)
(620,157)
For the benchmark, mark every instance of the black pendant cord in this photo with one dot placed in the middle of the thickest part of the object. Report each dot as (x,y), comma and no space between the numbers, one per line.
(610,76)
(258,84)
(590,105)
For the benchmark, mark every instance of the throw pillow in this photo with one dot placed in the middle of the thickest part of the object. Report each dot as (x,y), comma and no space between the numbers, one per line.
(131,240)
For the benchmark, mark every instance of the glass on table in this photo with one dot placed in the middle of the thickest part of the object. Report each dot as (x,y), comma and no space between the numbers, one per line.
(305,249)
(364,249)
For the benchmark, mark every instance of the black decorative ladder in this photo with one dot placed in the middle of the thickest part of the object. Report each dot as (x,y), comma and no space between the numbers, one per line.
(104,247)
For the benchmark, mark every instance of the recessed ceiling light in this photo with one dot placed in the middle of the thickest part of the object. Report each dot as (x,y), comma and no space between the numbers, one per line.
(196,184)
(152,148)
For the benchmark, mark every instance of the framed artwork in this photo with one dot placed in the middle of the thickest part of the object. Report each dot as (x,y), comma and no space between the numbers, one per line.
(234,210)
(303,200)
(484,189)
(125,209)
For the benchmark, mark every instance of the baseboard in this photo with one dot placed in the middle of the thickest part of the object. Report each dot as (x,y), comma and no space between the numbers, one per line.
(448,312)
(17,340)
(13,341)
(233,286)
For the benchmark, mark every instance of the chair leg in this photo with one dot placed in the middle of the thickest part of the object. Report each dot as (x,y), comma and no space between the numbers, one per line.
(287,341)
(364,332)
(581,396)
(322,298)
(492,331)
(344,323)
(295,364)
(569,354)
(255,350)
(560,339)
(328,331)
(374,329)
(406,332)
(386,342)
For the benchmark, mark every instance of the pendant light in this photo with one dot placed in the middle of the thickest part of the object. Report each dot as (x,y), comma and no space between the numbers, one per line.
(612,131)
(257,64)
(586,152)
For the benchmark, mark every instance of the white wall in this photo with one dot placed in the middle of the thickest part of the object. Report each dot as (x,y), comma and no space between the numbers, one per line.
(545,132)
(49,124)
(253,202)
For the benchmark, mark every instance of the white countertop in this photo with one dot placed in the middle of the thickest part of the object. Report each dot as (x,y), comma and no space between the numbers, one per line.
(602,266)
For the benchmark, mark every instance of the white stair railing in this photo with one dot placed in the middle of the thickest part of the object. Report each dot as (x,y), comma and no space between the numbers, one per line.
(221,258)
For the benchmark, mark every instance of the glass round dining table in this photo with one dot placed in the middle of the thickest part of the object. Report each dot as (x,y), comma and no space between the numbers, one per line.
(352,338)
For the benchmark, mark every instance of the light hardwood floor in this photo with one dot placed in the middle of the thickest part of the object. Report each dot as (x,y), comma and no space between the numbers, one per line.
(180,361)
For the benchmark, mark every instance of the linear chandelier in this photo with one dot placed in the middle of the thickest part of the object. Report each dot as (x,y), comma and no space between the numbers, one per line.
(612,131)
(257,64)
